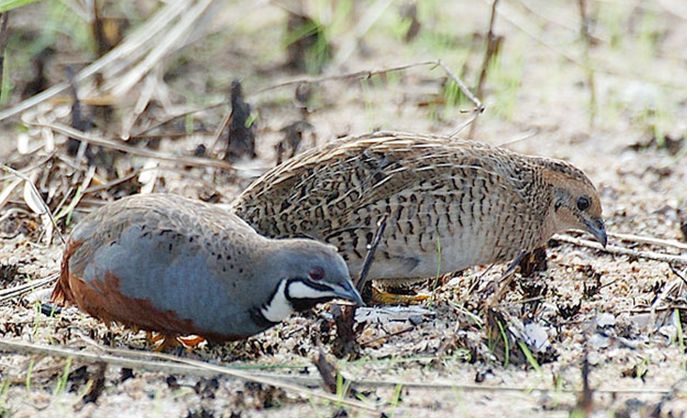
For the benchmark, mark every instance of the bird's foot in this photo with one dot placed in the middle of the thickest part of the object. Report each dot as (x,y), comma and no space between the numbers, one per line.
(380,297)
(191,341)
(162,342)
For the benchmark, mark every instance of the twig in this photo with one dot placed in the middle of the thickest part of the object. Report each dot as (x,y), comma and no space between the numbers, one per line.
(192,367)
(479,107)
(525,136)
(362,75)
(4,20)
(220,128)
(458,129)
(177,116)
(492,47)
(108,143)
(369,257)
(649,240)
(681,276)
(487,388)
(614,249)
(476,111)
(114,182)
(383,337)
(13,292)
(586,38)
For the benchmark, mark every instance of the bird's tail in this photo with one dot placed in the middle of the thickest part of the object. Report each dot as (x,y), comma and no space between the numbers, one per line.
(62,293)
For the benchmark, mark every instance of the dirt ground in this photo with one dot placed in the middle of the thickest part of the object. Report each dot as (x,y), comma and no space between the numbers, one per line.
(623,313)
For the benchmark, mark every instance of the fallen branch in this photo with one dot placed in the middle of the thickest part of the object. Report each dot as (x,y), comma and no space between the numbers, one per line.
(192,367)
(177,365)
(617,250)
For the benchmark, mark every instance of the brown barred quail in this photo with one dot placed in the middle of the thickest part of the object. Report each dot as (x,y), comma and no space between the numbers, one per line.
(451,203)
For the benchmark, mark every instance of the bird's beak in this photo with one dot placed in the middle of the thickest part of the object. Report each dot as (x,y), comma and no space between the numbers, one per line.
(597,228)
(348,292)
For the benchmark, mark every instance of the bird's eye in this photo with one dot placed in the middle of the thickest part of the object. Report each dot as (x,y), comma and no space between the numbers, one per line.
(583,203)
(317,273)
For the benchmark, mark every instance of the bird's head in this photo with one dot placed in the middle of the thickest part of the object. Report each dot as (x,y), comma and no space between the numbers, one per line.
(576,202)
(309,272)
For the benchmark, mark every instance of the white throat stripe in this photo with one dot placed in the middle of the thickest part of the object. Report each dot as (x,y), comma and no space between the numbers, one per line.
(279,308)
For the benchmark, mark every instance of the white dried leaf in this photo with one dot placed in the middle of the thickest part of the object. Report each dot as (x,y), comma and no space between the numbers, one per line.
(32,199)
(536,337)
(148,176)
(23,143)
(49,139)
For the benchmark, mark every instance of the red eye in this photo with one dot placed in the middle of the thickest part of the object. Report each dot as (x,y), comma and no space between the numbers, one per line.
(317,273)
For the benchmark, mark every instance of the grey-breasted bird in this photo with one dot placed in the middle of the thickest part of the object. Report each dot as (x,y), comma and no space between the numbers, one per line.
(177,266)
(451,204)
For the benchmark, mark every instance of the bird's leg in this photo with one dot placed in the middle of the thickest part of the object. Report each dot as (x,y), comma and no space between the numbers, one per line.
(381,297)
(505,280)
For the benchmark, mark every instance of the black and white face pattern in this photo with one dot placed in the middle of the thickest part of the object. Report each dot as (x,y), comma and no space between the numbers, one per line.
(300,294)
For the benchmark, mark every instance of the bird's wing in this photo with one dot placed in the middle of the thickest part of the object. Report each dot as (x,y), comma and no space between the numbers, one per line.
(156,272)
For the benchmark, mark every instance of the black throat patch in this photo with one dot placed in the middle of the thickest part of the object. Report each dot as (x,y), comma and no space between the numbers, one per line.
(304,304)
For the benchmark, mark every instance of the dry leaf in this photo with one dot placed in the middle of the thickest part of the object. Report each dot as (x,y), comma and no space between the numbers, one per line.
(33,199)
(148,176)
(49,139)
(23,143)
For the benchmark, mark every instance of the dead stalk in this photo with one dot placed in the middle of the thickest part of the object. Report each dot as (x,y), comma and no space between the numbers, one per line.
(589,70)
(4,20)
(369,257)
(179,365)
(489,53)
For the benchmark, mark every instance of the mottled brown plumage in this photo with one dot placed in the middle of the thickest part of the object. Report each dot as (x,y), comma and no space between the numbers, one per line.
(452,204)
